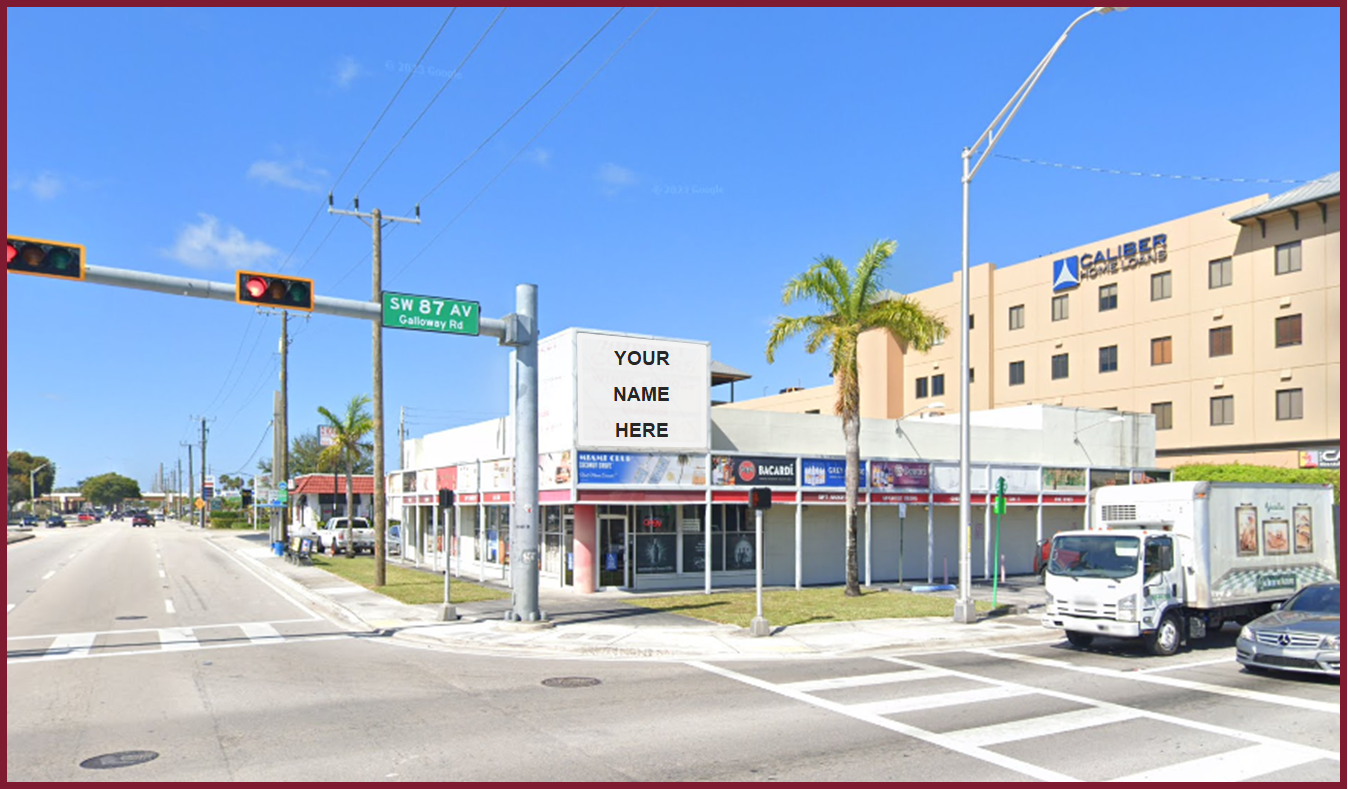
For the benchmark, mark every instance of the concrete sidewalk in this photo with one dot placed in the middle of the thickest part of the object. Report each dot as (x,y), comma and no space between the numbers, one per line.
(607,625)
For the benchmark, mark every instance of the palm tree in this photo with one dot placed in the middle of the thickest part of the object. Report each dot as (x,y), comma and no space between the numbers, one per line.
(852,306)
(348,447)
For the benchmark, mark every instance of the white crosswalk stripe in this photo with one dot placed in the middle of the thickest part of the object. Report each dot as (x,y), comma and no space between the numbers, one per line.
(261,632)
(71,646)
(149,641)
(853,681)
(177,639)
(1039,726)
(1233,766)
(889,707)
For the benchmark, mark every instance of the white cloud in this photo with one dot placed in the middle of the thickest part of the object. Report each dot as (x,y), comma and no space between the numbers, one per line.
(541,156)
(346,72)
(208,244)
(45,186)
(292,175)
(615,178)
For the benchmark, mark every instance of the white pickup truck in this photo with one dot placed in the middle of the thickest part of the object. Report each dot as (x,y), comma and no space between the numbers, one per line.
(333,535)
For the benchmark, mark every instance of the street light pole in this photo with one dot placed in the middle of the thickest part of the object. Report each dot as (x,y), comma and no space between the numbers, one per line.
(32,487)
(964,605)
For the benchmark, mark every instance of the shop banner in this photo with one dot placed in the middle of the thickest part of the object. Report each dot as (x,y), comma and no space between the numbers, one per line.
(468,478)
(1109,477)
(446,477)
(1019,479)
(395,484)
(498,475)
(894,475)
(827,473)
(946,478)
(1056,479)
(1318,459)
(425,480)
(554,470)
(633,469)
(727,470)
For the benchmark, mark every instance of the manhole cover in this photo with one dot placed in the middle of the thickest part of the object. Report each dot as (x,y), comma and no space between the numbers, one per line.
(131,617)
(570,683)
(118,760)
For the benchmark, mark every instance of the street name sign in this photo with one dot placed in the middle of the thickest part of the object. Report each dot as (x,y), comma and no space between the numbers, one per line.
(430,314)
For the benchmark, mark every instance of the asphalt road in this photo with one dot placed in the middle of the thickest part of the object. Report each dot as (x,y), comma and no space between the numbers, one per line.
(228,679)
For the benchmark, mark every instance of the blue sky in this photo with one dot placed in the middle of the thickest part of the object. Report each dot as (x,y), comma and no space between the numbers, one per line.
(715,157)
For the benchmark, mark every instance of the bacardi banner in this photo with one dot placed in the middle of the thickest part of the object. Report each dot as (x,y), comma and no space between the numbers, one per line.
(740,470)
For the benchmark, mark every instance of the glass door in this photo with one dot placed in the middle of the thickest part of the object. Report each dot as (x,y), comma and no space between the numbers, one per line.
(613,551)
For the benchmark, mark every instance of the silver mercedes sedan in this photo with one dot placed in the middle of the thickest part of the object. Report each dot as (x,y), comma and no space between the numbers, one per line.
(1302,635)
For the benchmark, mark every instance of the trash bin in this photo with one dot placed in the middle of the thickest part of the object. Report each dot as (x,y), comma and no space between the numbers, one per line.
(279,548)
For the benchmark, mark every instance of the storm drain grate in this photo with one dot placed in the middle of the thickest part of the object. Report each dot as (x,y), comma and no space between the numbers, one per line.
(570,683)
(118,760)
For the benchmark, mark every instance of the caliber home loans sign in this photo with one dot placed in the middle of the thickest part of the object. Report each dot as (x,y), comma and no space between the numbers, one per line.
(638,392)
(1070,271)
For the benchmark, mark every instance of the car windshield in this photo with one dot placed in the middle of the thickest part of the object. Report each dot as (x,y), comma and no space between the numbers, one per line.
(1094,556)
(1324,600)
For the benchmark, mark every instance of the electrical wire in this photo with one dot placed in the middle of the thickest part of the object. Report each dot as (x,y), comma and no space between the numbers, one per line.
(525,147)
(1113,172)
(241,469)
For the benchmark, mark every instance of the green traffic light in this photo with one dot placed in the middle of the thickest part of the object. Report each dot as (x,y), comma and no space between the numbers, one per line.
(60,259)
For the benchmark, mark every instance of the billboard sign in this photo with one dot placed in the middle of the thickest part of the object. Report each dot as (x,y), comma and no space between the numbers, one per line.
(739,470)
(638,469)
(642,393)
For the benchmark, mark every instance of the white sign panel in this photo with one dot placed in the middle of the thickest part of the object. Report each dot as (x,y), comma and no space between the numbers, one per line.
(498,475)
(327,435)
(642,393)
(426,481)
(467,479)
(556,396)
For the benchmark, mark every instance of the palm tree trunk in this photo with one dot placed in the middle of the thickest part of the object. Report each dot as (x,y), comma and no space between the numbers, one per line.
(350,516)
(852,444)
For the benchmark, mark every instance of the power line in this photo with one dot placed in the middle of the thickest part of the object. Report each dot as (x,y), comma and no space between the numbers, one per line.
(243,340)
(323,205)
(525,147)
(261,333)
(1135,173)
(452,76)
(255,449)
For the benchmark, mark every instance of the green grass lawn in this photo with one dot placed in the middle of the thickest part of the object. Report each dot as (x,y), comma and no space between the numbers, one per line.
(405,585)
(797,607)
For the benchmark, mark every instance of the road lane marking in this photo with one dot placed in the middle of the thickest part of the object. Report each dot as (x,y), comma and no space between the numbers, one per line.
(48,575)
(828,684)
(261,632)
(71,646)
(72,556)
(1189,685)
(1039,726)
(168,605)
(1173,667)
(11,608)
(219,646)
(171,639)
(1233,766)
(889,707)
(936,739)
(262,579)
(161,573)
(149,630)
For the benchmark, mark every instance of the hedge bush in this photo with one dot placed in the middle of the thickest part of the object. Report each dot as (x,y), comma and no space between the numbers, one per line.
(1244,473)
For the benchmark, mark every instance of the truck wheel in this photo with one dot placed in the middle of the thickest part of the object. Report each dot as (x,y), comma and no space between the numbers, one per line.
(1080,639)
(1165,640)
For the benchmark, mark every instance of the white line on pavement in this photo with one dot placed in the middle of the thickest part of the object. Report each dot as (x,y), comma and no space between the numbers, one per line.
(1173,667)
(168,605)
(11,608)
(177,639)
(937,739)
(261,632)
(149,630)
(1225,767)
(71,646)
(888,707)
(72,556)
(860,680)
(1039,726)
(261,578)
(221,646)
(48,575)
(161,573)
(1191,685)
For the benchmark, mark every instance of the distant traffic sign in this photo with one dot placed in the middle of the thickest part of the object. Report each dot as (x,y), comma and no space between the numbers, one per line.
(430,314)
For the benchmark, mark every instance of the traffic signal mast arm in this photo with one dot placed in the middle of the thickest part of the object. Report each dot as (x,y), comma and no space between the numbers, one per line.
(498,328)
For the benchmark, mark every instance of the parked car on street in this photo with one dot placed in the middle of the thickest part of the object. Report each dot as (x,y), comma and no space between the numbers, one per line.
(1301,635)
(55,521)
(142,520)
(28,521)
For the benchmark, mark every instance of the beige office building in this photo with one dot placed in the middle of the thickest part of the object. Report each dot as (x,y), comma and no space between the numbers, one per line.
(1223,324)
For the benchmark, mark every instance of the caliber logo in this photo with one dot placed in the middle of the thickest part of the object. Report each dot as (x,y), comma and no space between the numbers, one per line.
(1066,273)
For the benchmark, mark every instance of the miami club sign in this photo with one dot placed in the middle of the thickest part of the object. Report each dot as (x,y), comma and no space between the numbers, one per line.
(1070,271)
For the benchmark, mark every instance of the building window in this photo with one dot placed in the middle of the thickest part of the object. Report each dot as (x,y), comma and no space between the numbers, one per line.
(1289,404)
(1161,351)
(938,385)
(1224,410)
(1059,366)
(921,388)
(1060,307)
(1160,286)
(1219,342)
(1109,297)
(1165,415)
(1219,273)
(1017,373)
(971,375)
(1289,330)
(1287,258)
(939,340)
(1109,359)
(1017,314)
(971,320)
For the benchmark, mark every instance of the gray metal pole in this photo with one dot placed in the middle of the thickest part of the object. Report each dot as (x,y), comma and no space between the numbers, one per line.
(447,613)
(524,510)
(964,605)
(377,329)
(282,463)
(759,625)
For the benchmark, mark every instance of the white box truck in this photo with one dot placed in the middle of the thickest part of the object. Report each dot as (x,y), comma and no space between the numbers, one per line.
(1166,562)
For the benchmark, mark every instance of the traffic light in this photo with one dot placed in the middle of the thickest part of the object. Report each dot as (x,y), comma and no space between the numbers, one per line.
(760,498)
(446,498)
(273,290)
(44,258)
(245,497)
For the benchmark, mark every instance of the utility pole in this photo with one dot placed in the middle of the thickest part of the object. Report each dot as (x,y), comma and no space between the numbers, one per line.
(281,464)
(178,491)
(402,436)
(205,511)
(191,486)
(376,223)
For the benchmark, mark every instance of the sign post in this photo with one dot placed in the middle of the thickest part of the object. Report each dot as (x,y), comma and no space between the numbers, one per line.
(760,499)
(999,507)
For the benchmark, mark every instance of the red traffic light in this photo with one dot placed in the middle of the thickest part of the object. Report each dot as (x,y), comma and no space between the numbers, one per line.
(274,290)
(44,258)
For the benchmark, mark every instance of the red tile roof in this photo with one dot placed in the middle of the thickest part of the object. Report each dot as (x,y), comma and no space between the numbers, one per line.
(322,484)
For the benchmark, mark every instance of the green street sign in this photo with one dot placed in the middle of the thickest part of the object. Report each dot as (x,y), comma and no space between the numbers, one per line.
(430,314)
(1001,485)
(283,496)
(999,506)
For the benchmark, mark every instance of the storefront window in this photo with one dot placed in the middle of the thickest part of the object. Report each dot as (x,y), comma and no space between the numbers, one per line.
(557,527)
(656,539)
(498,533)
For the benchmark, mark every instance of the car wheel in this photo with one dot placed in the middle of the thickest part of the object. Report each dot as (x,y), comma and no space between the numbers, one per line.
(1165,640)
(1080,639)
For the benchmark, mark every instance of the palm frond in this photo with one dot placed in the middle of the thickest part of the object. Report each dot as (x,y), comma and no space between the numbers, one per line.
(907,322)
(870,273)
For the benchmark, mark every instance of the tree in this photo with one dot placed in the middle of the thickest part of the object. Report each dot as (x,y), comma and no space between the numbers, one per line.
(852,305)
(347,448)
(109,489)
(20,486)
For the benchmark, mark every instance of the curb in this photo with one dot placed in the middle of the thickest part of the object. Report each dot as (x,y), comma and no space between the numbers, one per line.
(18,537)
